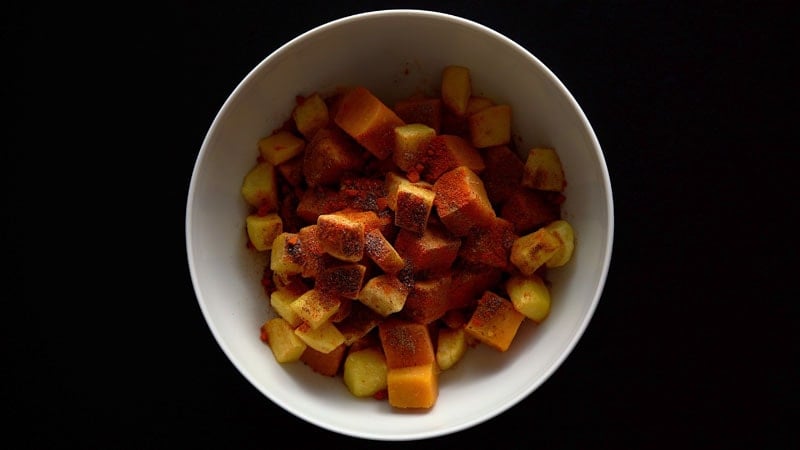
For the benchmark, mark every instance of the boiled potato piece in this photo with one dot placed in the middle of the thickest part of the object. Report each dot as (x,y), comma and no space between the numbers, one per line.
(259,188)
(262,230)
(280,147)
(451,345)
(311,114)
(365,372)
(532,251)
(543,170)
(490,126)
(285,345)
(530,296)
(564,231)
(456,88)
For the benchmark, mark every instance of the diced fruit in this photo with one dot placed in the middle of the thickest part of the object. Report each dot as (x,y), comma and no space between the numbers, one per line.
(285,345)
(565,232)
(489,245)
(325,338)
(311,114)
(280,147)
(446,152)
(427,300)
(329,156)
(543,170)
(259,188)
(434,251)
(456,88)
(494,322)
(280,300)
(409,144)
(315,307)
(384,294)
(461,201)
(529,295)
(341,280)
(490,126)
(365,372)
(421,110)
(327,364)
(382,252)
(341,237)
(286,256)
(262,230)
(530,252)
(451,345)
(368,120)
(413,387)
(414,205)
(468,283)
(529,209)
(405,344)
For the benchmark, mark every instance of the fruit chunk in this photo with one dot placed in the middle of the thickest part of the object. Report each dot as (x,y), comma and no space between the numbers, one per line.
(285,345)
(489,245)
(368,120)
(259,188)
(469,281)
(325,338)
(564,231)
(543,170)
(384,294)
(286,256)
(448,151)
(409,144)
(490,126)
(262,230)
(461,201)
(315,307)
(327,364)
(529,295)
(310,114)
(405,344)
(414,205)
(413,387)
(365,372)
(328,156)
(531,251)
(341,237)
(280,147)
(529,209)
(434,251)
(427,300)
(456,88)
(451,345)
(381,251)
(494,322)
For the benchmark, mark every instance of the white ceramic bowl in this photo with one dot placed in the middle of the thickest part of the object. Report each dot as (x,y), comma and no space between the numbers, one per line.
(393,53)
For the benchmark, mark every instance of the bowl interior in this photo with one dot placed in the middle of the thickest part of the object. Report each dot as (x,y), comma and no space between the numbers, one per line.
(394,53)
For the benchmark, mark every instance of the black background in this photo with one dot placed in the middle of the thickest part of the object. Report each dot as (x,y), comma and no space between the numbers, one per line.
(692,344)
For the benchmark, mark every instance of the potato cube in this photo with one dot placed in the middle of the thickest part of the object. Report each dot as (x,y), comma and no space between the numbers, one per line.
(490,126)
(543,170)
(291,283)
(468,281)
(328,156)
(565,232)
(359,323)
(285,345)
(341,237)
(477,103)
(434,251)
(421,110)
(427,301)
(529,295)
(325,338)
(259,188)
(286,256)
(494,322)
(281,301)
(489,245)
(262,230)
(445,152)
(456,88)
(414,205)
(503,173)
(405,344)
(280,147)
(409,144)
(413,387)
(451,345)
(529,209)
(315,307)
(461,201)
(315,258)
(393,182)
(310,114)
(365,372)
(382,252)
(384,294)
(531,251)
(327,364)
(341,280)
(369,219)
(368,120)
(363,193)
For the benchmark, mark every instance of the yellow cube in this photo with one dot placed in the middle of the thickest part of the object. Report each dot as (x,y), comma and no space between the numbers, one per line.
(325,338)
(494,322)
(451,345)
(285,345)
(311,114)
(262,230)
(280,147)
(490,126)
(365,372)
(286,254)
(529,295)
(315,307)
(384,294)
(532,251)
(409,144)
(259,188)
(543,170)
(280,299)
(456,88)
(563,230)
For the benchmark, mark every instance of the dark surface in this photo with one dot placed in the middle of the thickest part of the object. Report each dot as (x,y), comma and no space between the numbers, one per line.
(694,103)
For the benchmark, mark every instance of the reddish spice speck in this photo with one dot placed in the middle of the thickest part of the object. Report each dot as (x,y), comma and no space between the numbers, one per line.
(383,394)
(413,175)
(263,210)
(264,336)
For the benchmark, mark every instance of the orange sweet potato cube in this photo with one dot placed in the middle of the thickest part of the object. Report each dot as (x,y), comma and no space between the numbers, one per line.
(341,280)
(328,364)
(414,205)
(415,387)
(329,156)
(529,209)
(405,343)
(363,193)
(448,151)
(382,252)
(433,251)
(503,173)
(489,245)
(490,126)
(494,322)
(292,171)
(461,201)
(468,281)
(421,110)
(368,120)
(341,237)
(310,114)
(319,200)
(428,300)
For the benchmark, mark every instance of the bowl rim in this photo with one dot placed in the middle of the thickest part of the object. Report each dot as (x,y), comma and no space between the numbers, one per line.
(364,16)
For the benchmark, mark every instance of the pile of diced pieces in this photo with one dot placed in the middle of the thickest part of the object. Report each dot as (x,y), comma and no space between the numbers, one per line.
(400,236)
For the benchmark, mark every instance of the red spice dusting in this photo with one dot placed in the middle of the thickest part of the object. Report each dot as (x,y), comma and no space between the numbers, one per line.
(264,336)
(383,394)
(413,175)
